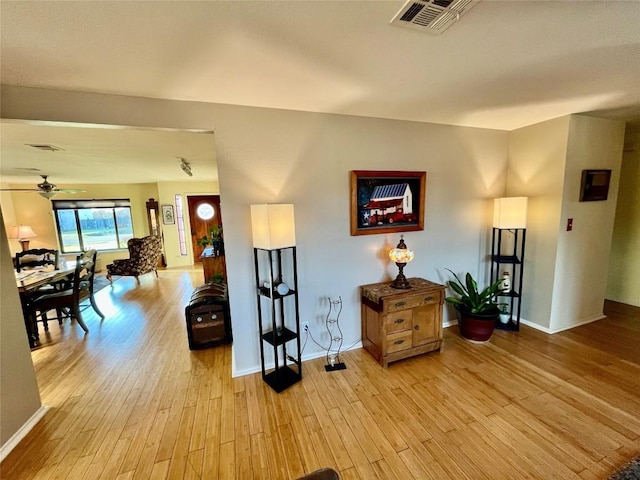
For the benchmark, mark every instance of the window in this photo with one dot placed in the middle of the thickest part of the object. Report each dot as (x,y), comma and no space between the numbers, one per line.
(180,218)
(98,224)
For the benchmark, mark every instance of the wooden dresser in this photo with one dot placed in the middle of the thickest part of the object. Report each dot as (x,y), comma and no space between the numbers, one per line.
(398,324)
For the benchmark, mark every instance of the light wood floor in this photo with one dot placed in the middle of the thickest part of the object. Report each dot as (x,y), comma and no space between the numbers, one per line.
(130,401)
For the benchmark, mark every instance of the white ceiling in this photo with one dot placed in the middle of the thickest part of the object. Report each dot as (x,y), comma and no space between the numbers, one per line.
(103,155)
(507,64)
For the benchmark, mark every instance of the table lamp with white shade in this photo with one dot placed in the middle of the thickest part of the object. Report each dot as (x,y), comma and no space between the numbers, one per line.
(23,233)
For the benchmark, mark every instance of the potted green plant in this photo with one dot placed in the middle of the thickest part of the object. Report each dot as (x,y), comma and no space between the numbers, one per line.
(217,278)
(478,310)
(204,241)
(214,239)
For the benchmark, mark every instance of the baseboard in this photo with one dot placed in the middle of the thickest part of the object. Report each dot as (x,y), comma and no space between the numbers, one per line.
(535,326)
(611,307)
(22,432)
(310,356)
(549,331)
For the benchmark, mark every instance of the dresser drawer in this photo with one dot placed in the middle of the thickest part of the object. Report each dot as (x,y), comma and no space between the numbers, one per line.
(398,321)
(411,301)
(398,341)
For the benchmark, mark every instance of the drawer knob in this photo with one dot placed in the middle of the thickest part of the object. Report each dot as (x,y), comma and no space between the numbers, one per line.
(398,342)
(214,316)
(199,319)
(401,304)
(417,327)
(398,321)
(428,299)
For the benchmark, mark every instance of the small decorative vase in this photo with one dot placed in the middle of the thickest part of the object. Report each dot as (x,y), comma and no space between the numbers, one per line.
(505,317)
(505,286)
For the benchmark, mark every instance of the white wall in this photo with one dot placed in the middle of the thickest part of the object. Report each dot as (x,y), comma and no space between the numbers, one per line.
(537,157)
(583,253)
(624,267)
(20,398)
(6,202)
(305,159)
(565,272)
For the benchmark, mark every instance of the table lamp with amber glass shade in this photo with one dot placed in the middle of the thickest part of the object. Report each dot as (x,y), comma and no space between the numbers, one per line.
(401,255)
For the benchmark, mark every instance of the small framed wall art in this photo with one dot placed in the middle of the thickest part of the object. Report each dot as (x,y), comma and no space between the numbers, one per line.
(168,217)
(594,185)
(387,201)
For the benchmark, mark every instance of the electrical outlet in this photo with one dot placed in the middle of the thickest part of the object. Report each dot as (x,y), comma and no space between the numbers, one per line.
(304,326)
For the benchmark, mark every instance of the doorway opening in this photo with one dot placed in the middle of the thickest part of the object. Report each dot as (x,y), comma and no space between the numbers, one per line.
(205,220)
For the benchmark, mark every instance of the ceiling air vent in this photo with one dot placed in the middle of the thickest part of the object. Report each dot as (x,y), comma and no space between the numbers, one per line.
(433,16)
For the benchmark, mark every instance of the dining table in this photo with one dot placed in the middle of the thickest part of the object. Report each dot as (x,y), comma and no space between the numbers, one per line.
(30,280)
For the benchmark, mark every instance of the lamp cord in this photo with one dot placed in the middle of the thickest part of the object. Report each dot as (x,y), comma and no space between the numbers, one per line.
(322,347)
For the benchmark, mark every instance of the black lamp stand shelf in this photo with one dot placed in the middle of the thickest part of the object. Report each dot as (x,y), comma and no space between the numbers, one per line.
(278,317)
(507,254)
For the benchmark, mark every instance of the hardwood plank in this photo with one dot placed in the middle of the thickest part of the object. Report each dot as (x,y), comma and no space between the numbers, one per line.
(194,464)
(241,435)
(329,430)
(255,400)
(259,457)
(211,462)
(291,451)
(417,468)
(181,445)
(228,466)
(306,448)
(144,460)
(355,452)
(320,445)
(160,470)
(130,401)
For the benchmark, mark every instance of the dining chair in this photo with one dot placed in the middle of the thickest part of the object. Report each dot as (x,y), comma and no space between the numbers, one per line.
(37,258)
(68,303)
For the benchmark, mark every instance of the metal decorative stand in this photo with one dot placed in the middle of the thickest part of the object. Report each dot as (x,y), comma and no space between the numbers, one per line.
(335,334)
(513,262)
(278,324)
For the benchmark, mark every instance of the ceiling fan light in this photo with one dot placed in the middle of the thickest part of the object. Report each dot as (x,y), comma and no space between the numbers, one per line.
(48,195)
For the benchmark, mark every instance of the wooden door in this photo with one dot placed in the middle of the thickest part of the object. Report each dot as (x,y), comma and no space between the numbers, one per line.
(204,213)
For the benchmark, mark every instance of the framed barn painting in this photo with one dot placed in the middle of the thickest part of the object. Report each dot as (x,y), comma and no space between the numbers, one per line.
(387,201)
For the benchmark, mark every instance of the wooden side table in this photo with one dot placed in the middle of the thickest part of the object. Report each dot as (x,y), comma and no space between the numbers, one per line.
(212,264)
(398,324)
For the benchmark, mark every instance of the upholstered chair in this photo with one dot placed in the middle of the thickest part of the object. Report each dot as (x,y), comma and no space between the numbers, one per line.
(144,256)
(322,474)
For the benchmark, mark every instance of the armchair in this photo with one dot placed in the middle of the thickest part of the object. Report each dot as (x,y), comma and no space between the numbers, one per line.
(144,254)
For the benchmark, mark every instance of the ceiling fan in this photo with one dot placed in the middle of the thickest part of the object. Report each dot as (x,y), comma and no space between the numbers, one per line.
(46,189)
